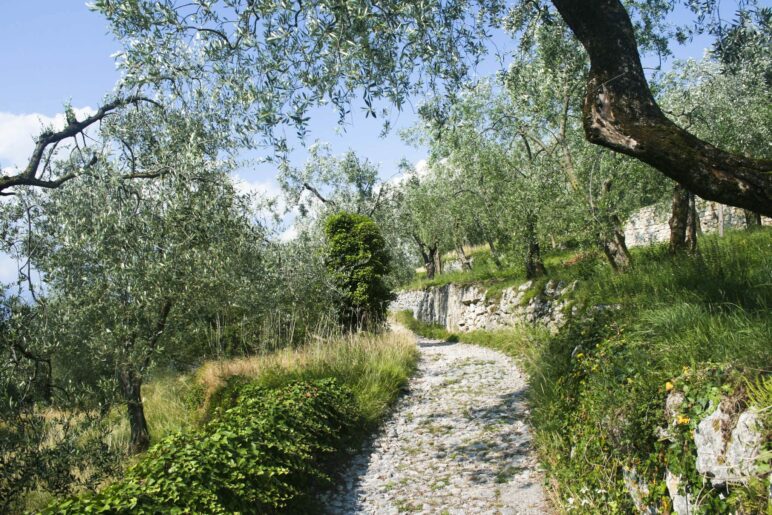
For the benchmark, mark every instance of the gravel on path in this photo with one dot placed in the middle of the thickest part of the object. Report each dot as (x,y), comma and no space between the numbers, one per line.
(456,443)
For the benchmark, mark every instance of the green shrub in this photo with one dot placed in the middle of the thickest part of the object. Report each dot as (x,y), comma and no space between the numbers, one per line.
(261,452)
(357,259)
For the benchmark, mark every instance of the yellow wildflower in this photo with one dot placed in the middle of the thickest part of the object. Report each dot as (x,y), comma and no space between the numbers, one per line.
(682,420)
(668,386)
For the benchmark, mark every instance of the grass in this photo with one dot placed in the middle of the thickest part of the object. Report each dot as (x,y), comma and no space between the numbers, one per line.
(484,271)
(375,367)
(170,406)
(700,324)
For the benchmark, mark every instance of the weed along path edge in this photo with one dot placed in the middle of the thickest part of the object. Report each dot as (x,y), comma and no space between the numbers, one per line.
(457,442)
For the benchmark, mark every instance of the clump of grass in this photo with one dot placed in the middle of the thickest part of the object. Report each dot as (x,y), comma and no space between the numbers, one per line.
(484,271)
(598,387)
(374,366)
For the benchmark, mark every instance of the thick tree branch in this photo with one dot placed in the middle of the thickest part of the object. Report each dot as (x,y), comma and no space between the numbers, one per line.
(30,176)
(620,113)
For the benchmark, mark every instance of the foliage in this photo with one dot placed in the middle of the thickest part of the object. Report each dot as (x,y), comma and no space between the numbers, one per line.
(259,68)
(260,453)
(357,261)
(327,184)
(731,110)
(354,378)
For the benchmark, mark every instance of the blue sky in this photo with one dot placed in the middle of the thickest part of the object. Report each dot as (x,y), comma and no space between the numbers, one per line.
(54,51)
(57,50)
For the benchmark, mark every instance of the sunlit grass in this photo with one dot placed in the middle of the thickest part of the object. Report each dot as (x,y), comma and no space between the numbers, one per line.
(375,366)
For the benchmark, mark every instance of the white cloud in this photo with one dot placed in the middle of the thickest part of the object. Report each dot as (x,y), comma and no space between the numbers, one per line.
(420,168)
(8,269)
(289,234)
(261,188)
(17,133)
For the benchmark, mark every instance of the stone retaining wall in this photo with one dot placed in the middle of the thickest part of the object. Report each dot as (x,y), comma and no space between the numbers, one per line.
(468,308)
(650,224)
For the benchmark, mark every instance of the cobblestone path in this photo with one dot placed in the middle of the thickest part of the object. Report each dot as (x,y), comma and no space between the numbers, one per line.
(457,443)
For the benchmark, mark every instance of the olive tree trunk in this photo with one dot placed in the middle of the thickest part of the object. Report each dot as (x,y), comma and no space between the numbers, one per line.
(466,264)
(683,222)
(131,389)
(534,266)
(620,113)
(429,254)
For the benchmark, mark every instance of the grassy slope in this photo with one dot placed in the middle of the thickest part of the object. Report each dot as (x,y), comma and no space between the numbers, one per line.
(700,324)
(374,367)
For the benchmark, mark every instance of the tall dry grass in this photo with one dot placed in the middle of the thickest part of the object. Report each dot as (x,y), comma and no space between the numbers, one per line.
(375,366)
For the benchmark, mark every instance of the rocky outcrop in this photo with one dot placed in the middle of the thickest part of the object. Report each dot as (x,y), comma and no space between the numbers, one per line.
(727,454)
(728,444)
(469,308)
(650,224)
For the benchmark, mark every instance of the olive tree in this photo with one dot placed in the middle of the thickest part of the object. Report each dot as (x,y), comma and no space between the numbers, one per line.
(272,62)
(123,261)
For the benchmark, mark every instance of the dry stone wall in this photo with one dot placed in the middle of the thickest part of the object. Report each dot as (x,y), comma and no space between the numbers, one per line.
(469,308)
(650,224)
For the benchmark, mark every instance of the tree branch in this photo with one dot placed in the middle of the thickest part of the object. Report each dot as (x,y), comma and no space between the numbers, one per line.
(620,113)
(317,194)
(30,176)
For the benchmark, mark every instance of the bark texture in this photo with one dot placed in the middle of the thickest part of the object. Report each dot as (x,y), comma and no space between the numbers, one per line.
(620,113)
(131,388)
(430,256)
(684,221)
(615,247)
(534,266)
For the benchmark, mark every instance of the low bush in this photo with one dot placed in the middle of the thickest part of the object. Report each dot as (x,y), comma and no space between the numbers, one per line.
(376,367)
(273,424)
(260,453)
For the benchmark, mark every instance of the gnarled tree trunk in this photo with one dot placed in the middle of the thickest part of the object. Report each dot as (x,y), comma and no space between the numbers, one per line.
(430,256)
(534,267)
(615,247)
(679,214)
(683,221)
(620,113)
(466,264)
(611,237)
(131,388)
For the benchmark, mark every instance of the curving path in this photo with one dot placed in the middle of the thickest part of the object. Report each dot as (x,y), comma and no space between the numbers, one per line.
(456,443)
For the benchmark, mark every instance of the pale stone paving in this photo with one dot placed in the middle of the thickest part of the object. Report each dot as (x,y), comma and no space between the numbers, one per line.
(457,443)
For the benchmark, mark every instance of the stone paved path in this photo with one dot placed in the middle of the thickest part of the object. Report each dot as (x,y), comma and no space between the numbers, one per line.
(455,444)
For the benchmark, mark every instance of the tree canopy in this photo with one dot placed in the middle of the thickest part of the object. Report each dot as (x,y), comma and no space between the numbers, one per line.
(271,62)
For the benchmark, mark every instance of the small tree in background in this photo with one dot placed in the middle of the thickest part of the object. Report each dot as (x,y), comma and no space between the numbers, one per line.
(358,262)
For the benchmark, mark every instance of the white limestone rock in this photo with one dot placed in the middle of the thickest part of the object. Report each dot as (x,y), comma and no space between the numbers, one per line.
(727,454)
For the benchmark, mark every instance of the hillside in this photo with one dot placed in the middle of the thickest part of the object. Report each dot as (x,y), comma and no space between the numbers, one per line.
(628,401)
